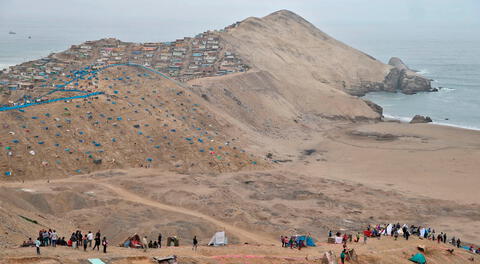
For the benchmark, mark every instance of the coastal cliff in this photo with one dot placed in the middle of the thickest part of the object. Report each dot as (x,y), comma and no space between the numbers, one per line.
(400,78)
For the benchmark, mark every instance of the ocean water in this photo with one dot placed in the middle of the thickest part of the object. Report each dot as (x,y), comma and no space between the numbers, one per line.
(450,57)
(454,65)
(452,61)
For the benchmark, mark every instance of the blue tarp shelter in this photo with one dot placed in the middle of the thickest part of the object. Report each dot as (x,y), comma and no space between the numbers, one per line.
(308,241)
(418,258)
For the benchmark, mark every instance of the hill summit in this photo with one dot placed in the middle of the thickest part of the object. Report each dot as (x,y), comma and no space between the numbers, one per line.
(194,104)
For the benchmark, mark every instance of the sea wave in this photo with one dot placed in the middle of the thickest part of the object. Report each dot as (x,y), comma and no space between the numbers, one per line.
(404,119)
(457,126)
(4,66)
(423,72)
(446,89)
(398,118)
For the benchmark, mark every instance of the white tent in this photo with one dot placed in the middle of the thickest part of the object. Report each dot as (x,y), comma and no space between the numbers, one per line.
(338,240)
(219,239)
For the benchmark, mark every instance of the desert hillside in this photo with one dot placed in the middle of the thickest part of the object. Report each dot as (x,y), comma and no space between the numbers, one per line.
(298,73)
(140,120)
(255,129)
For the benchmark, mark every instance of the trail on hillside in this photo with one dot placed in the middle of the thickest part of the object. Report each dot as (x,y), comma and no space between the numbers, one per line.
(243,235)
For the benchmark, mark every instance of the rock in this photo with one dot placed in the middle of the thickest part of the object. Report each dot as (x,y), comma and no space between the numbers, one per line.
(376,108)
(403,79)
(411,83)
(398,64)
(420,119)
(400,78)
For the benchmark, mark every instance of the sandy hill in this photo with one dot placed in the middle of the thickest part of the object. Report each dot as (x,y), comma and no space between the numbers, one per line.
(282,148)
(298,73)
(141,120)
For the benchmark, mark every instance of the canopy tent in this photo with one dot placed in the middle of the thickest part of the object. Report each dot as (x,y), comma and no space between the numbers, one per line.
(338,240)
(219,239)
(418,258)
(133,242)
(308,241)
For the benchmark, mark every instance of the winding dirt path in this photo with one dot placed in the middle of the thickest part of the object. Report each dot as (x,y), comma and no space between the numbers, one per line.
(242,234)
(245,236)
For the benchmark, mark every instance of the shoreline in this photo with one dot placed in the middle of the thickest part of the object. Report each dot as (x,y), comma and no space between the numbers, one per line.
(406,120)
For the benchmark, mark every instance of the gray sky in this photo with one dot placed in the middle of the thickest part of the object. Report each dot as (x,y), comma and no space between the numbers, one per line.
(186,17)
(379,27)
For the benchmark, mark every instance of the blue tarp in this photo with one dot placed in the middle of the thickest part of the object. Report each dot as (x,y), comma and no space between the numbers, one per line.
(309,241)
(49,101)
(418,258)
(96,261)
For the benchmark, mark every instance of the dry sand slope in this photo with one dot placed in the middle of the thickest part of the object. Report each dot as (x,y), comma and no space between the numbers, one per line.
(281,149)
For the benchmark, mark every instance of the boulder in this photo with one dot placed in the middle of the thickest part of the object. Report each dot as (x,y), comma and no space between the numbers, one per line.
(411,83)
(420,119)
(400,78)
(403,79)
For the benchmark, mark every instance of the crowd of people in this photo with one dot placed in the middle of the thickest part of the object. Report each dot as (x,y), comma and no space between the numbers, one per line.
(50,238)
(297,242)
(393,230)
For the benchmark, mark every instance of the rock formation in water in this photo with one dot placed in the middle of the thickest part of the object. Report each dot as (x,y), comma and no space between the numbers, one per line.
(420,119)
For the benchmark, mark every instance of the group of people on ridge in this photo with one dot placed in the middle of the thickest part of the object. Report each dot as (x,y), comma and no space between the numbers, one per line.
(77,240)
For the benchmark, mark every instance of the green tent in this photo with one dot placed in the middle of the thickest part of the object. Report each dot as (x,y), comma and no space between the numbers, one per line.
(418,258)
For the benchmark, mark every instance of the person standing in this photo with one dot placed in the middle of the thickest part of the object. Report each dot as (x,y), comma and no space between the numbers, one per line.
(89,238)
(45,238)
(37,245)
(195,243)
(283,241)
(159,240)
(54,237)
(49,237)
(458,242)
(73,238)
(342,256)
(145,243)
(79,239)
(85,242)
(104,244)
(444,238)
(97,243)
(98,234)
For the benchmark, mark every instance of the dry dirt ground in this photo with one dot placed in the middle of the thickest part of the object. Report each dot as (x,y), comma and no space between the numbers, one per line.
(295,156)
(384,251)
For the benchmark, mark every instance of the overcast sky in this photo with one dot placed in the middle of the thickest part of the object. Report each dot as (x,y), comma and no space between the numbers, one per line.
(180,17)
(379,27)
